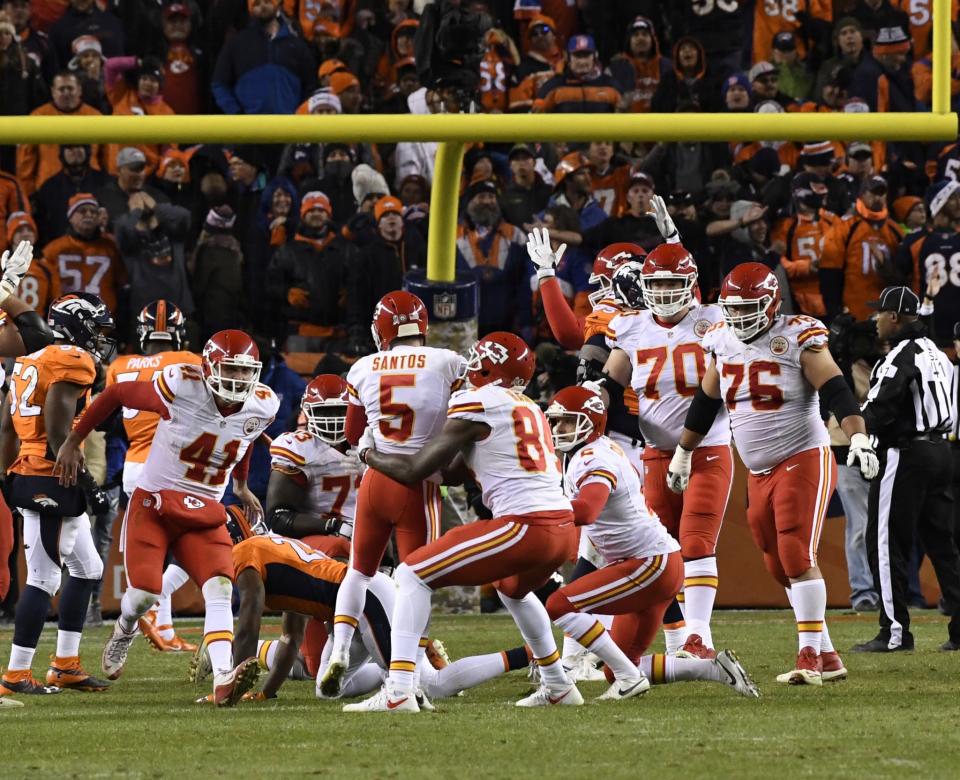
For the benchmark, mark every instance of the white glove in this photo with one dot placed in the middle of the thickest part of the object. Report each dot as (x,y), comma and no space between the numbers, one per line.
(14,267)
(597,387)
(862,454)
(664,221)
(366,443)
(541,254)
(678,472)
(352,463)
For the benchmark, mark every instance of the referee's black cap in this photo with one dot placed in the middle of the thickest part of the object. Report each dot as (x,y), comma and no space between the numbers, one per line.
(901,300)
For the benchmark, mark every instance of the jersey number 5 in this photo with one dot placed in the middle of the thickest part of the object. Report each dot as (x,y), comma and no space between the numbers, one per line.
(400,425)
(199,453)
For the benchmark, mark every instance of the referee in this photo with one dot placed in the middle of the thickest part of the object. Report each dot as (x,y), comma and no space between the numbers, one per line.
(908,410)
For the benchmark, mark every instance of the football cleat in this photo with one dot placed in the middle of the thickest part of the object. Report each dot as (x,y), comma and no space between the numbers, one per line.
(807,671)
(151,631)
(22,682)
(736,676)
(333,675)
(200,666)
(437,654)
(582,667)
(115,652)
(423,702)
(626,689)
(695,648)
(68,673)
(9,703)
(832,666)
(544,697)
(178,644)
(229,687)
(386,700)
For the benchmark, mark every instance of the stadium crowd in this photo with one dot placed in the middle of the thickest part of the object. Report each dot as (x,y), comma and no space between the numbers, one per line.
(296,244)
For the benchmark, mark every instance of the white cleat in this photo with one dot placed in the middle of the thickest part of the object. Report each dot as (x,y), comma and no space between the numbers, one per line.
(386,700)
(544,697)
(115,652)
(736,676)
(200,666)
(229,687)
(9,703)
(626,689)
(583,668)
(330,681)
(423,702)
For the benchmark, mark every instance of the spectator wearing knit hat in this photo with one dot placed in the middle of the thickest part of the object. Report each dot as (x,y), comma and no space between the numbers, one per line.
(265,68)
(172,178)
(87,62)
(307,279)
(735,94)
(494,252)
(217,276)
(882,78)
(543,60)
(849,47)
(75,176)
(346,87)
(381,266)
(86,259)
(40,286)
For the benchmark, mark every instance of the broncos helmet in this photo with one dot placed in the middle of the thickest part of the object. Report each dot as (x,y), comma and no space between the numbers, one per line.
(83,319)
(161,321)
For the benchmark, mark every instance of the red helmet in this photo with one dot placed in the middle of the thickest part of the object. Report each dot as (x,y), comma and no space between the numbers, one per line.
(235,350)
(668,263)
(500,358)
(398,314)
(569,164)
(606,262)
(324,405)
(588,412)
(749,299)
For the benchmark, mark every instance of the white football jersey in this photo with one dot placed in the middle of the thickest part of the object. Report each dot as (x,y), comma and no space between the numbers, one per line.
(625,528)
(196,449)
(515,465)
(668,363)
(405,392)
(332,478)
(774,411)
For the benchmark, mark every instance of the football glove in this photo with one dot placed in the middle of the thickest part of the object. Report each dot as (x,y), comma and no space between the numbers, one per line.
(542,255)
(15,265)
(863,455)
(678,472)
(664,221)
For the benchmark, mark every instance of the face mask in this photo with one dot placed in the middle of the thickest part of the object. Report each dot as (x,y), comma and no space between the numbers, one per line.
(338,169)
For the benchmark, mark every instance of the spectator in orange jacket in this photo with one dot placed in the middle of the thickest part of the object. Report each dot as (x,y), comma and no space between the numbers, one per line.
(582,88)
(12,200)
(858,253)
(40,286)
(86,259)
(543,59)
(38,162)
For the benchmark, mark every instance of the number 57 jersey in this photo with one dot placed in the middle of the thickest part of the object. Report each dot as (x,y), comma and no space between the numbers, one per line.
(404,392)
(195,448)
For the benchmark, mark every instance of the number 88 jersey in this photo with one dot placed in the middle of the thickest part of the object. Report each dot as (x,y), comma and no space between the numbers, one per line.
(774,411)
(195,447)
(515,464)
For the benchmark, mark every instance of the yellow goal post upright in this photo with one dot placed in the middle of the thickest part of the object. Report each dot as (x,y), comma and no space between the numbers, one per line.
(452,131)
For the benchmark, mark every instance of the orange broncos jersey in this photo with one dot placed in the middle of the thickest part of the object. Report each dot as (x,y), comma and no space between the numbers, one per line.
(610,189)
(296,577)
(30,381)
(802,240)
(141,426)
(88,266)
(775,16)
(40,286)
(598,324)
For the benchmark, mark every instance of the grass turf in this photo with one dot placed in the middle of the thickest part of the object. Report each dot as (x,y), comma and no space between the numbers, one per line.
(894,716)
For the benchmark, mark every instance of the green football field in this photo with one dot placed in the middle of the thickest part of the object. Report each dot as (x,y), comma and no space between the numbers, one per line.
(896,716)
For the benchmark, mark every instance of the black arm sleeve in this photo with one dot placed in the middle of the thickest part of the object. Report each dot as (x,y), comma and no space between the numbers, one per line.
(614,389)
(34,331)
(280,520)
(702,412)
(835,395)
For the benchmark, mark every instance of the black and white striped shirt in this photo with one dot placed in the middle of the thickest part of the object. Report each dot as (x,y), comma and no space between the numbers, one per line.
(910,391)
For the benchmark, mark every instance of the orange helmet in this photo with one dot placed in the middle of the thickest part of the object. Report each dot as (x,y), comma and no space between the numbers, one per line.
(569,164)
(398,314)
(324,406)
(500,358)
(588,412)
(236,350)
(749,300)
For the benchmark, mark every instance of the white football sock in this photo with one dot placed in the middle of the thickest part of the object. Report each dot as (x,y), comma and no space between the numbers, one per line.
(674,638)
(218,623)
(809,600)
(134,605)
(411,614)
(68,643)
(826,644)
(594,637)
(531,618)
(20,658)
(699,593)
(174,578)
(460,675)
(571,647)
(660,669)
(351,597)
(267,652)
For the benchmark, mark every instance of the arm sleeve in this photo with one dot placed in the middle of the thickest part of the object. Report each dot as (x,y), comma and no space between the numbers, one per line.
(356,423)
(590,503)
(564,325)
(115,67)
(133,395)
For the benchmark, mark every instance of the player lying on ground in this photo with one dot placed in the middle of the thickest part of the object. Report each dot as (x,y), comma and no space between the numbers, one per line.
(209,417)
(768,369)
(285,574)
(643,568)
(503,438)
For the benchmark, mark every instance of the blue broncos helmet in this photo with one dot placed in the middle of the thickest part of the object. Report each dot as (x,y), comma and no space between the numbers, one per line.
(83,319)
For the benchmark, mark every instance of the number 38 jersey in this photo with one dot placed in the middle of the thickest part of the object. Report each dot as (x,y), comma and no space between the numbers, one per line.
(668,363)
(404,392)
(774,411)
(329,475)
(515,464)
(625,527)
(30,381)
(196,448)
